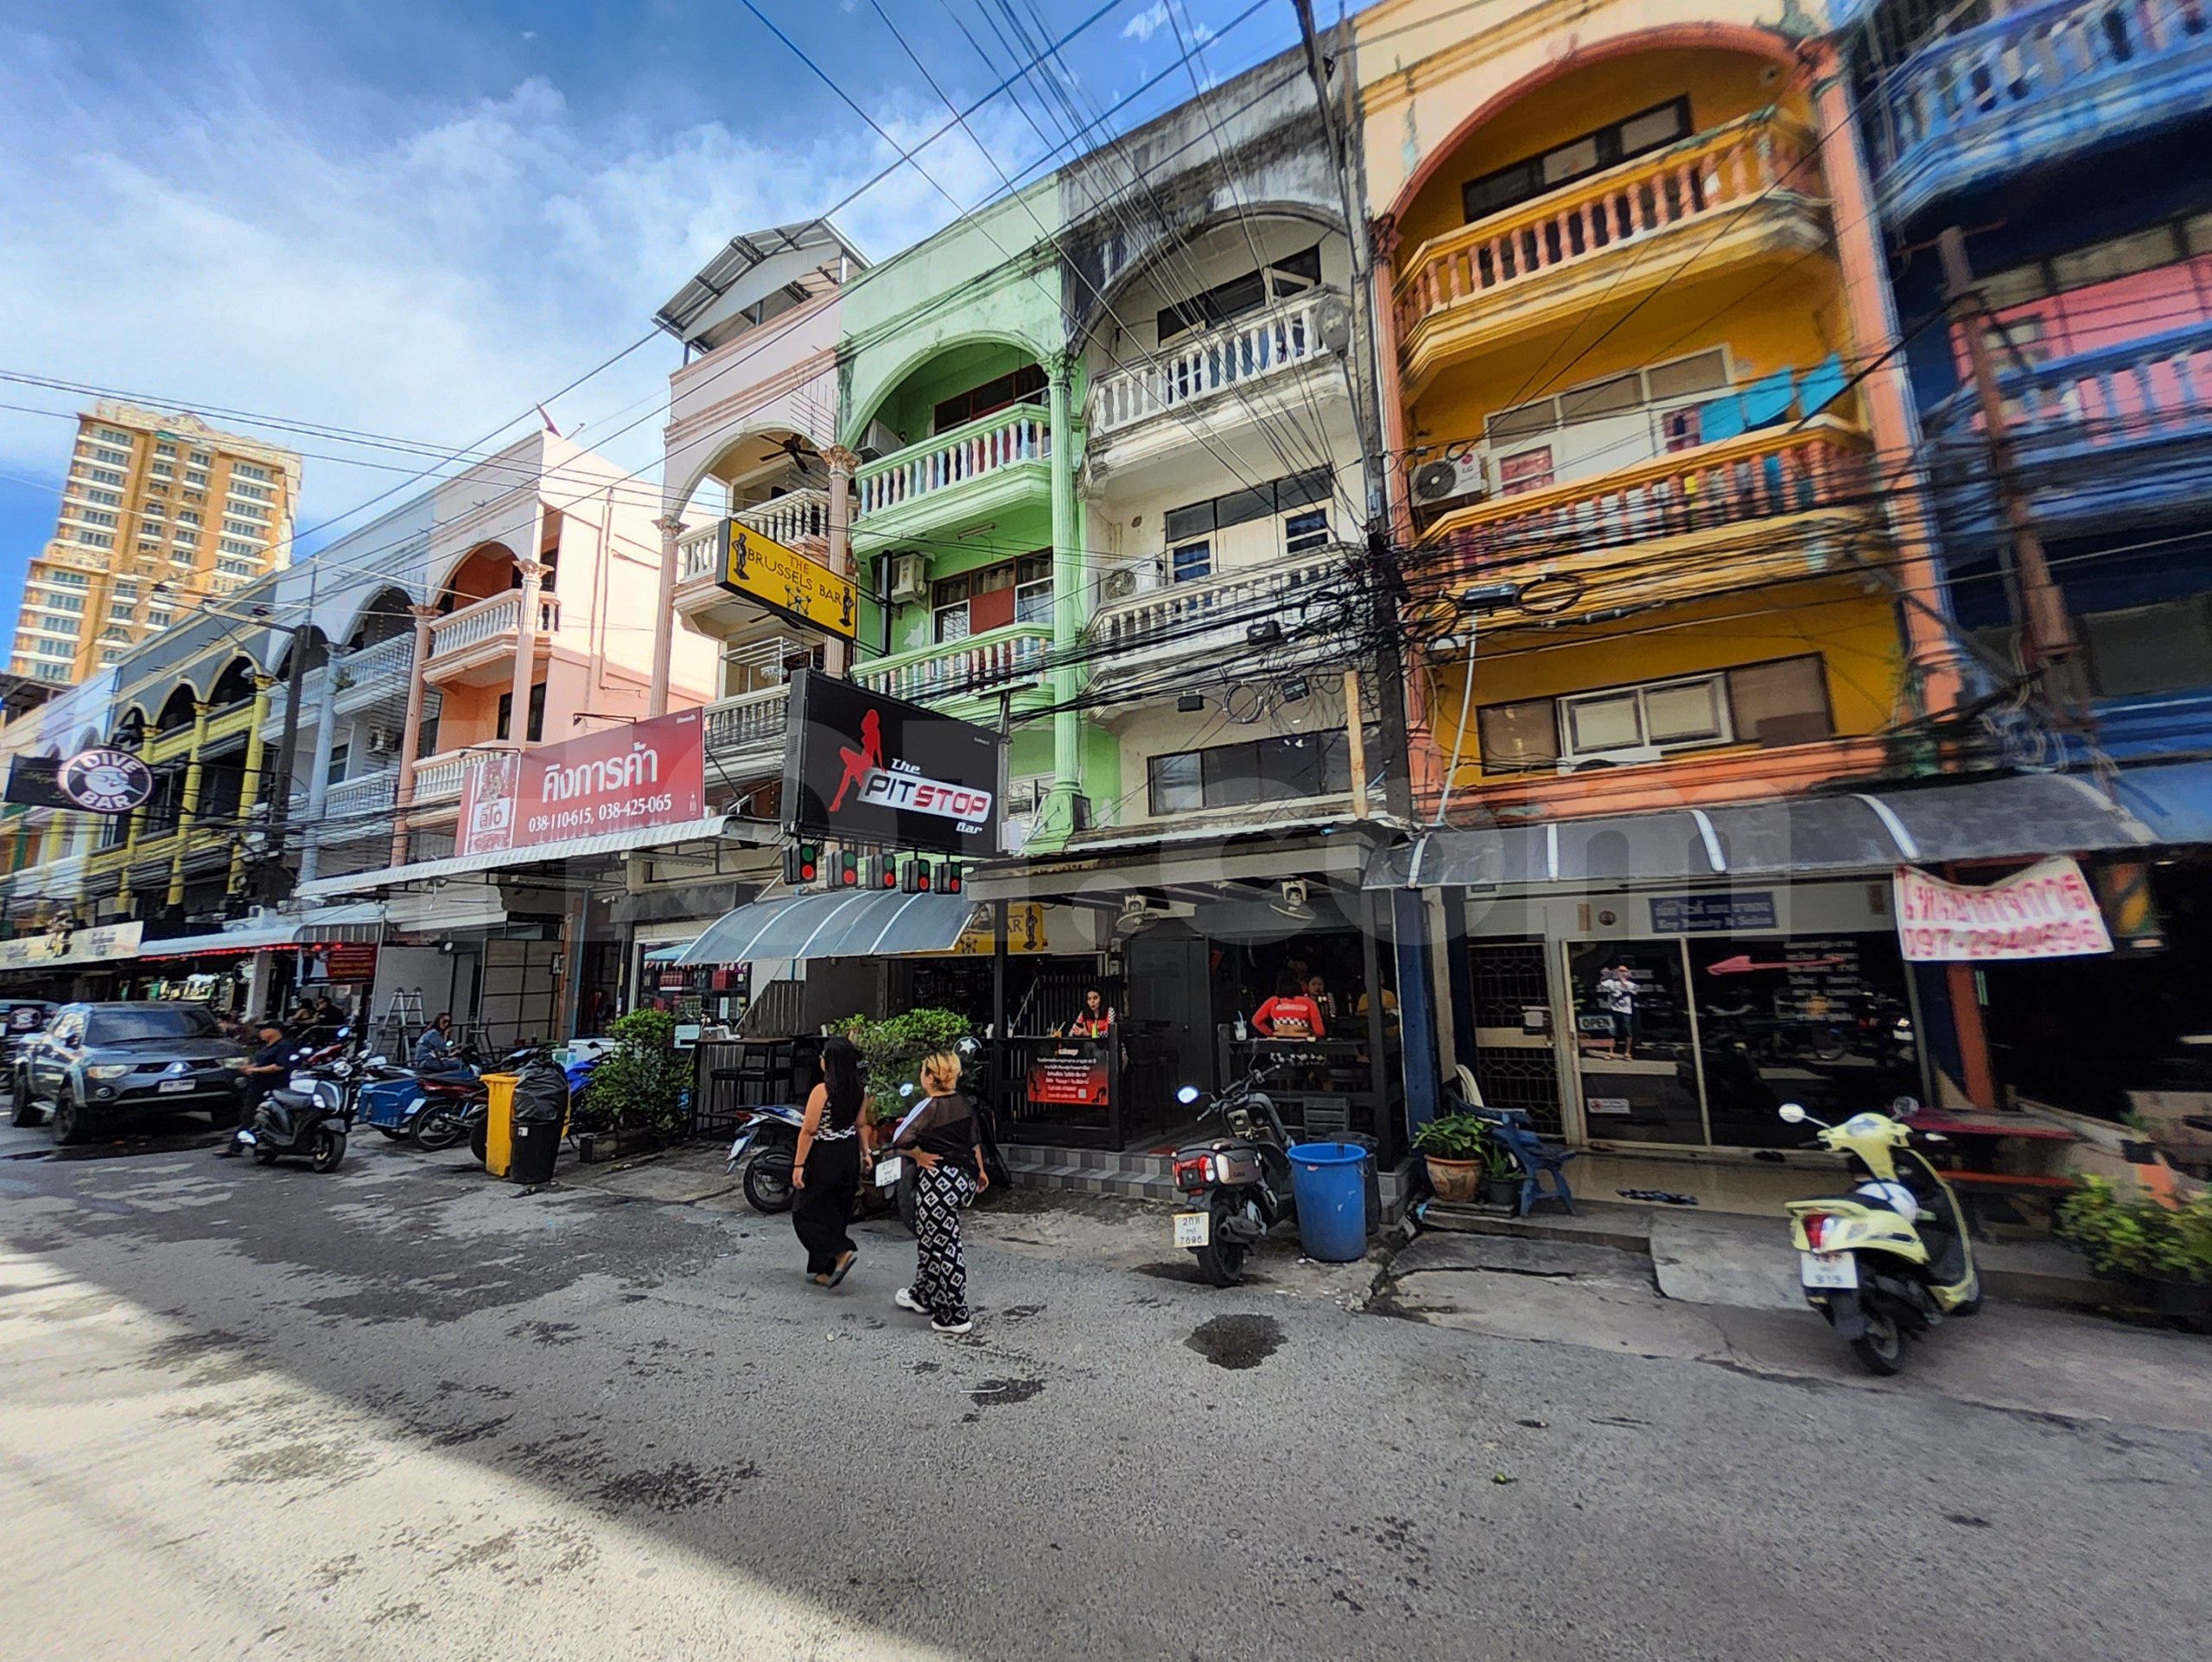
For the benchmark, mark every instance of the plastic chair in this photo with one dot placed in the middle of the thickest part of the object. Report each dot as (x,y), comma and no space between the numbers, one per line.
(1537,1160)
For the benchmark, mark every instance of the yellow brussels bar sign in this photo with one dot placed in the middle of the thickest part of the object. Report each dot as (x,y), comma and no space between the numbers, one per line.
(786,580)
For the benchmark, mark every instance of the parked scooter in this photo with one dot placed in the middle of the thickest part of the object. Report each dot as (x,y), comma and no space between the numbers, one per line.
(311,1116)
(770,1137)
(1891,1259)
(1239,1185)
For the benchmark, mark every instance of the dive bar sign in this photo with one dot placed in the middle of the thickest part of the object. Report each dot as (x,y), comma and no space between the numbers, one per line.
(2047,911)
(646,775)
(860,766)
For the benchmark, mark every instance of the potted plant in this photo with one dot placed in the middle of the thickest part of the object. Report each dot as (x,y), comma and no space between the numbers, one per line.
(2160,1251)
(891,1049)
(636,1096)
(1455,1148)
(1501,1175)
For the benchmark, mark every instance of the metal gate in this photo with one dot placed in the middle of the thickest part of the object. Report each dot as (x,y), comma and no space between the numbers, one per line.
(1515,1067)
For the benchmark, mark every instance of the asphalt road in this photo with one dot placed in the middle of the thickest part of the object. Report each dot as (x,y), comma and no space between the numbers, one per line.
(402,1411)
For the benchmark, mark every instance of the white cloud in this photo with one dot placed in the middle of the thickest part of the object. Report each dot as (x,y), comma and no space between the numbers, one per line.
(1146,24)
(427,279)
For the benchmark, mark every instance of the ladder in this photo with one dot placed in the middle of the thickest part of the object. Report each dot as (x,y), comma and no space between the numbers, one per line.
(403,1021)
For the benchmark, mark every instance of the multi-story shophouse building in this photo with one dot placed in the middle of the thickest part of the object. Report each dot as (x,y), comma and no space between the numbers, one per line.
(151,501)
(2048,141)
(1090,454)
(1681,640)
(42,848)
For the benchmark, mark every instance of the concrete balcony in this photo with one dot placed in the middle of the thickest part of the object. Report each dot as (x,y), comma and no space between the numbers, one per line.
(1671,528)
(361,808)
(745,735)
(438,779)
(978,471)
(2118,435)
(1206,619)
(376,676)
(1728,201)
(977,669)
(1265,367)
(272,726)
(799,520)
(475,646)
(2021,91)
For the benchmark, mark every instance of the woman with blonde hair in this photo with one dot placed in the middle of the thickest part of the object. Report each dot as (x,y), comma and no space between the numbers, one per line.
(940,1135)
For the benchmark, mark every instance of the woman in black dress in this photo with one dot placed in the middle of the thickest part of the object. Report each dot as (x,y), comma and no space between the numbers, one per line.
(826,1167)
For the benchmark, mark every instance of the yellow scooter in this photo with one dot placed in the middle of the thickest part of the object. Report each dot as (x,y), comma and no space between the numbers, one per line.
(1891,1259)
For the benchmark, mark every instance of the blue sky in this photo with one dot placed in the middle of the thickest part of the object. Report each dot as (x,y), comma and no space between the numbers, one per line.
(417,220)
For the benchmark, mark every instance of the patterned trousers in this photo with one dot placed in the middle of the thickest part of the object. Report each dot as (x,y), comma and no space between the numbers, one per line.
(940,1273)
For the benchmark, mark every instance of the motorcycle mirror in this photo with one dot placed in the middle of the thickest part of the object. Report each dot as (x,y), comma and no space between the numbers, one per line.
(1793,1113)
(1188,1094)
(907,1089)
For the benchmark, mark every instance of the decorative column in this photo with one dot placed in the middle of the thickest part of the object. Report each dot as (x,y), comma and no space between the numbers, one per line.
(325,738)
(670,526)
(404,794)
(1871,311)
(526,652)
(1070,599)
(189,809)
(843,463)
(250,785)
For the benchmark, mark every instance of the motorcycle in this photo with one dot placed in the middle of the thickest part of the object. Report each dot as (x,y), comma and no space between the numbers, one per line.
(1891,1259)
(310,1116)
(770,1137)
(1239,1185)
(457,1105)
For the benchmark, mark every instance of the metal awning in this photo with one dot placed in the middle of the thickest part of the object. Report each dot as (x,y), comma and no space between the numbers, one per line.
(1830,836)
(671,953)
(598,846)
(363,921)
(2175,801)
(832,926)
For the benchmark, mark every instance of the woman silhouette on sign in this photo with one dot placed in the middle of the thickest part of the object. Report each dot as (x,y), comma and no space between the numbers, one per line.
(861,762)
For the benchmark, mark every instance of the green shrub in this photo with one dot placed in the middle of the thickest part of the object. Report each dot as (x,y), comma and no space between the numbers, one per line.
(1455,1136)
(891,1049)
(639,1085)
(2137,1234)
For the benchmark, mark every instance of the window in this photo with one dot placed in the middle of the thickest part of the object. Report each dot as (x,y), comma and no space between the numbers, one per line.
(949,609)
(250,470)
(242,528)
(1190,562)
(1784,701)
(109,435)
(111,657)
(65,602)
(158,620)
(93,517)
(508,713)
(992,597)
(188,516)
(244,493)
(1025,386)
(106,498)
(1304,532)
(50,671)
(199,458)
(69,579)
(104,475)
(1636,135)
(195,481)
(154,513)
(57,649)
(95,538)
(231,567)
(1240,507)
(166,448)
(58,625)
(1294,274)
(339,753)
(1284,768)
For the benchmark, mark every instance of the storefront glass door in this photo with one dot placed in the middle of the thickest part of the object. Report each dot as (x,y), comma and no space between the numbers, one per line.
(1698,1040)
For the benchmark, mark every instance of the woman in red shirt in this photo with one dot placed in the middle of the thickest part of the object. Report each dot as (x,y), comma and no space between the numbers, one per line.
(1290,1014)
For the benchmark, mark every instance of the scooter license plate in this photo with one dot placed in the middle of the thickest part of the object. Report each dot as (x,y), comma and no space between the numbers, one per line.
(1839,1270)
(888,1170)
(1193,1229)
(173,1087)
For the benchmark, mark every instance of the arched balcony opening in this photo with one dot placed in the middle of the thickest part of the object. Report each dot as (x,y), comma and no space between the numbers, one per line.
(485,572)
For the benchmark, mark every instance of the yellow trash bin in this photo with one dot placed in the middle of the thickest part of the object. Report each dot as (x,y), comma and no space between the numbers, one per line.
(499,1123)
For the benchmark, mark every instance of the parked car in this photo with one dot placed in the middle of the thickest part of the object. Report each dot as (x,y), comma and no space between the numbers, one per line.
(98,1063)
(21,1019)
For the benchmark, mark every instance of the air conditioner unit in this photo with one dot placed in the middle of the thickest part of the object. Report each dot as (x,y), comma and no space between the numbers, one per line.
(909,578)
(1459,474)
(383,741)
(1119,584)
(880,442)
(1627,756)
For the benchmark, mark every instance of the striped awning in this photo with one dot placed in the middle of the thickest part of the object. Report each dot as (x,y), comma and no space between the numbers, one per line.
(794,926)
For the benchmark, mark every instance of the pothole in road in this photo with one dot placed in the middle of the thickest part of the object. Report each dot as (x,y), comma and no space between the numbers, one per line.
(1237,1341)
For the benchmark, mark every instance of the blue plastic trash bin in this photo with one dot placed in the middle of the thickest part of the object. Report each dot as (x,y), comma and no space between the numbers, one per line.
(1330,1182)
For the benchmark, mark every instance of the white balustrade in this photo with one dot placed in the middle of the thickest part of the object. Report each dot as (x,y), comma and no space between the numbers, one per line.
(1248,349)
(354,805)
(489,621)
(972,451)
(1707,178)
(1201,616)
(982,664)
(698,554)
(385,668)
(437,779)
(793,518)
(746,725)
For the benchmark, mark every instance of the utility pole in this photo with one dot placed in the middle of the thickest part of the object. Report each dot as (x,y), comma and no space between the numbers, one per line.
(2049,646)
(287,745)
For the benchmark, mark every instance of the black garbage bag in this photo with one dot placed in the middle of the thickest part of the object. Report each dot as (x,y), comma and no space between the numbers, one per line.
(542,1094)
